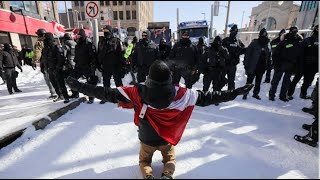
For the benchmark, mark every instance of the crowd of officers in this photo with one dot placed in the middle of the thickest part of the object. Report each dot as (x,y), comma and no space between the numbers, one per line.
(287,54)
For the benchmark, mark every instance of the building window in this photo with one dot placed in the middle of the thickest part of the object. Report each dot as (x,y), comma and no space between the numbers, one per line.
(134,15)
(107,3)
(101,3)
(121,15)
(76,3)
(81,3)
(127,2)
(133,2)
(120,3)
(48,10)
(17,4)
(272,24)
(114,3)
(128,15)
(115,15)
(83,16)
(31,6)
(315,4)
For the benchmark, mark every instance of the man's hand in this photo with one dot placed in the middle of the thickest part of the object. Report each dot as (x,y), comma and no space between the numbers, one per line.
(20,69)
(73,83)
(244,89)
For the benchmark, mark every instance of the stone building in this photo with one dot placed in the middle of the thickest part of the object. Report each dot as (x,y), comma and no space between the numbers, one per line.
(131,15)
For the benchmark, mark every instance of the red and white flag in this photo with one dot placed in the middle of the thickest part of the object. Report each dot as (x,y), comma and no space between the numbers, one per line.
(58,28)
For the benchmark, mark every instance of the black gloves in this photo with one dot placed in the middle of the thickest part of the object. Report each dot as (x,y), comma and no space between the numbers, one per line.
(42,68)
(20,69)
(73,83)
(34,66)
(244,89)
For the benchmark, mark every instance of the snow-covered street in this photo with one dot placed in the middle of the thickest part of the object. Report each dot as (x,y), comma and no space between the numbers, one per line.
(238,139)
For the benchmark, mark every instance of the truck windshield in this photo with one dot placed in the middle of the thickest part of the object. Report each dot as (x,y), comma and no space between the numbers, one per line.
(196,32)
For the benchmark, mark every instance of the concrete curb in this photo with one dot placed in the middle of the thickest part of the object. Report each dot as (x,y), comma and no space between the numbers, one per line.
(41,123)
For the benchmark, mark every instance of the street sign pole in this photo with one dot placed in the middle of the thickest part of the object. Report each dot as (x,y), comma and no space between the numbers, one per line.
(95,32)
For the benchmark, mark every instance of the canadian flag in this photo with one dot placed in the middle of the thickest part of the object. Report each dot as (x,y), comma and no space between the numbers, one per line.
(58,28)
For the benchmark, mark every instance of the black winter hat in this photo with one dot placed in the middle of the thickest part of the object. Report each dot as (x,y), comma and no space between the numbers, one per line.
(159,74)
(293,28)
(6,47)
(217,39)
(82,33)
(234,28)
(108,27)
(263,32)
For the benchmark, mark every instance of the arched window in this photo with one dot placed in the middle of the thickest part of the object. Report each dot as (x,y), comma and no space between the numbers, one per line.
(131,31)
(272,24)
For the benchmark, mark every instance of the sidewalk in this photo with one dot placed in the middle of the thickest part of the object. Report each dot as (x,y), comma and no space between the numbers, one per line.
(21,110)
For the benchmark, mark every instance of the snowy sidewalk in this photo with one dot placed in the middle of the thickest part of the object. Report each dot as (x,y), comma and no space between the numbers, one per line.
(20,110)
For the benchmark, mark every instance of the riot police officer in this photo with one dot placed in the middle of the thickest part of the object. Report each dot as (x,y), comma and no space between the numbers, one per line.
(273,45)
(184,61)
(110,58)
(287,53)
(213,64)
(308,66)
(85,62)
(145,53)
(235,48)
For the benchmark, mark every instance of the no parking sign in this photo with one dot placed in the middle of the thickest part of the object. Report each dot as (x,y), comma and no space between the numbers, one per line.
(91,9)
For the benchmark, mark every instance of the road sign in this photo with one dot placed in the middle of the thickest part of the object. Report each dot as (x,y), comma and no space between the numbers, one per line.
(91,9)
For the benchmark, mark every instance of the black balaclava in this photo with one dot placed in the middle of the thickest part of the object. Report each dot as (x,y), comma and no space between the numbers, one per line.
(292,32)
(159,90)
(233,31)
(6,47)
(315,31)
(201,42)
(185,41)
(82,35)
(217,42)
(162,44)
(263,37)
(108,35)
(49,39)
(282,32)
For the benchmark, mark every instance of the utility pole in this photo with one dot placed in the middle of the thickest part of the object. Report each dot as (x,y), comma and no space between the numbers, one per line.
(177,23)
(211,22)
(227,19)
(242,19)
(65,5)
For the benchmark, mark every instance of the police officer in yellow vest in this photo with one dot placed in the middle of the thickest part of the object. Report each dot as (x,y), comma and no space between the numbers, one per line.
(129,62)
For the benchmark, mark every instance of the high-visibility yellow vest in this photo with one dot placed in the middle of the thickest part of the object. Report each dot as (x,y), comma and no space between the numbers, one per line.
(128,51)
(30,55)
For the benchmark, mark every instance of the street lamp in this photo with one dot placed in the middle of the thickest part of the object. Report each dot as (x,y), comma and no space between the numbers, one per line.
(15,9)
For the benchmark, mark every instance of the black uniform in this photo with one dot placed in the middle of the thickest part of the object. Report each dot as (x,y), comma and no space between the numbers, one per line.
(287,53)
(256,60)
(65,65)
(110,59)
(50,56)
(273,45)
(235,48)
(184,62)
(85,62)
(8,62)
(308,66)
(145,53)
(164,50)
(213,65)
